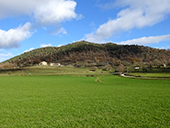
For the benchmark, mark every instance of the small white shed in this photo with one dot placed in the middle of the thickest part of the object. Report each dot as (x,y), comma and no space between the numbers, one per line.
(137,68)
(43,63)
(52,64)
(55,64)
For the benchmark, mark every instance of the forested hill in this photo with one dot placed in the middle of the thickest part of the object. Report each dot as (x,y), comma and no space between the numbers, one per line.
(86,52)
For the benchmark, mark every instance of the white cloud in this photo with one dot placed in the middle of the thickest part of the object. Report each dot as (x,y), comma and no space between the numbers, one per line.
(44,28)
(4,55)
(167,47)
(45,45)
(59,31)
(135,14)
(45,12)
(79,17)
(94,38)
(146,40)
(29,50)
(2,50)
(60,45)
(12,37)
(55,11)
(17,7)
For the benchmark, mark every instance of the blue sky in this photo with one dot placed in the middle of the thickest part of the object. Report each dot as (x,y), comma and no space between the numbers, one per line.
(29,24)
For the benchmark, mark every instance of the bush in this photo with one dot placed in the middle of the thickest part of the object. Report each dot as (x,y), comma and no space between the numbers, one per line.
(121,68)
(107,68)
(7,66)
(9,73)
(93,68)
(144,69)
(70,66)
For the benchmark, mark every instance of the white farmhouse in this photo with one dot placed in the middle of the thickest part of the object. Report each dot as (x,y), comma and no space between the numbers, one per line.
(43,63)
(52,64)
(58,64)
(137,68)
(164,64)
(55,64)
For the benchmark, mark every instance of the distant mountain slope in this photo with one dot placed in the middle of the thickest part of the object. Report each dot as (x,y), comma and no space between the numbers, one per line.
(87,52)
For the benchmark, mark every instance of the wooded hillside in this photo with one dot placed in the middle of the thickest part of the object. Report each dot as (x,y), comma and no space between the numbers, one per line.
(86,53)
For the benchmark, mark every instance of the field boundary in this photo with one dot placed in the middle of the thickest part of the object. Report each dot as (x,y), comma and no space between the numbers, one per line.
(139,77)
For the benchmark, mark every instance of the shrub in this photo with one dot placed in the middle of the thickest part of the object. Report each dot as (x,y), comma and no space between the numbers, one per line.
(107,68)
(7,66)
(144,69)
(93,68)
(121,68)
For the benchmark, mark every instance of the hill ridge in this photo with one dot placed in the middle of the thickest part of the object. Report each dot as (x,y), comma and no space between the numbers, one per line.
(87,52)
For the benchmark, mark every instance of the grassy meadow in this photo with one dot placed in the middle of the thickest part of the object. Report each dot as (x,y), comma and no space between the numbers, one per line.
(152,75)
(72,101)
(49,71)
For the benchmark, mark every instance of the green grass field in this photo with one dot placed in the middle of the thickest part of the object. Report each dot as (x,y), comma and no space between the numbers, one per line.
(71,101)
(49,71)
(152,75)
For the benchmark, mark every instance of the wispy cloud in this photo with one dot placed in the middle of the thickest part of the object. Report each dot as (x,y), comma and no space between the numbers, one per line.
(146,40)
(79,17)
(167,47)
(45,45)
(2,50)
(29,50)
(59,31)
(60,45)
(134,14)
(4,55)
